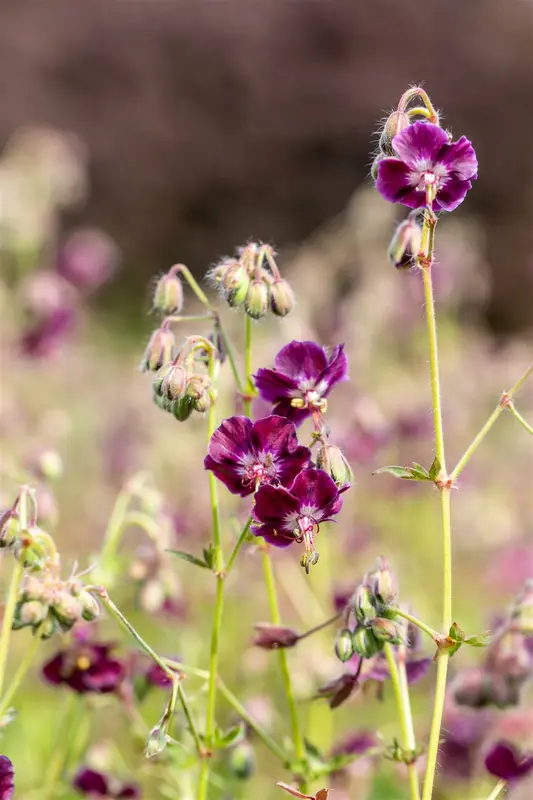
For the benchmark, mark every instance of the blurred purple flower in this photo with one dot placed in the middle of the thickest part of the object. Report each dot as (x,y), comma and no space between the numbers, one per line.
(293,515)
(505,761)
(303,376)
(7,778)
(47,336)
(427,158)
(356,743)
(244,454)
(156,675)
(88,259)
(415,666)
(85,667)
(90,783)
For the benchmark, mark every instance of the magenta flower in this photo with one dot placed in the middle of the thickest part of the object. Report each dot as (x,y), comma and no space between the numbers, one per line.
(46,337)
(303,376)
(7,778)
(426,159)
(85,667)
(292,515)
(244,454)
(505,761)
(90,783)
(88,259)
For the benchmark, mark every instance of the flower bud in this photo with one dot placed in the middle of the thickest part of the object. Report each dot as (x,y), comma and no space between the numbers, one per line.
(386,631)
(90,607)
(27,613)
(362,604)
(397,122)
(168,295)
(478,688)
(383,584)
(365,643)
(160,350)
(523,610)
(256,304)
(182,408)
(332,460)
(66,608)
(375,165)
(174,382)
(344,647)
(281,297)
(200,392)
(9,528)
(34,588)
(47,629)
(242,760)
(272,637)
(157,742)
(509,656)
(405,244)
(236,283)
(163,402)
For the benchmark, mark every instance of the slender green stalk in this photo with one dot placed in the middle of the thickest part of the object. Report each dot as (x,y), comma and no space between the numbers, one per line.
(248,365)
(320,627)
(242,712)
(115,526)
(231,356)
(520,418)
(200,294)
(272,596)
(399,612)
(73,711)
(504,401)
(434,367)
(497,789)
(7,622)
(19,675)
(401,693)
(239,543)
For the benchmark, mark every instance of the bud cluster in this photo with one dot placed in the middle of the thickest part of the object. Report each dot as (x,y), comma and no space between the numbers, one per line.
(179,388)
(253,280)
(368,623)
(49,605)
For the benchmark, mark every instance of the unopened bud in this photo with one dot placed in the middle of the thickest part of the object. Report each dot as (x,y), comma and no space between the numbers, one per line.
(90,607)
(174,382)
(47,629)
(9,528)
(362,604)
(386,631)
(199,390)
(242,760)
(365,643)
(168,295)
(344,647)
(383,584)
(274,637)
(163,402)
(66,608)
(281,297)
(29,613)
(479,688)
(157,742)
(332,460)
(256,304)
(160,350)
(181,409)
(34,588)
(375,165)
(405,244)
(397,122)
(509,656)
(236,283)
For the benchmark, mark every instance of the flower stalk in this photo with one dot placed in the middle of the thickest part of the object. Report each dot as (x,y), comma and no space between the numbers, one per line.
(401,694)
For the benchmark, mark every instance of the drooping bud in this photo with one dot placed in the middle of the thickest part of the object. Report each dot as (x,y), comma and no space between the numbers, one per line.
(157,741)
(384,585)
(365,643)
(29,613)
(174,382)
(256,304)
(274,637)
(405,244)
(168,295)
(523,610)
(242,760)
(509,656)
(163,402)
(236,283)
(281,297)
(362,603)
(47,629)
(344,647)
(331,459)
(181,409)
(386,631)
(397,122)
(35,589)
(66,608)
(90,608)
(160,350)
(9,528)
(200,392)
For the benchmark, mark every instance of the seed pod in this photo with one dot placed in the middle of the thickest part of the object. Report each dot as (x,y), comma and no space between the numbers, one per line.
(256,304)
(362,603)
(168,295)
(160,350)
(174,382)
(386,631)
(344,647)
(332,460)
(236,283)
(365,643)
(281,297)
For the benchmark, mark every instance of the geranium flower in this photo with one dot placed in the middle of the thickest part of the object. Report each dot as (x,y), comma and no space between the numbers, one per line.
(427,160)
(7,778)
(90,783)
(284,516)
(506,762)
(303,376)
(85,667)
(244,454)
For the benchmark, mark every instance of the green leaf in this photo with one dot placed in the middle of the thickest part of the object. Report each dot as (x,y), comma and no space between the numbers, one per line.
(434,469)
(209,556)
(478,639)
(229,737)
(456,633)
(190,558)
(420,470)
(398,472)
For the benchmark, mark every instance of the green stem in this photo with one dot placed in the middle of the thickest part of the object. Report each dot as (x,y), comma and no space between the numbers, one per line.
(471,449)
(7,622)
(200,294)
(497,789)
(398,612)
(141,520)
(115,526)
(520,418)
(320,627)
(231,356)
(272,596)
(249,387)
(401,693)
(239,543)
(19,675)
(434,367)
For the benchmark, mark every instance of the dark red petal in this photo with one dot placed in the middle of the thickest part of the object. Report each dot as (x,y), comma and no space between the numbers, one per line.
(104,677)
(417,668)
(273,434)
(505,762)
(460,159)
(92,783)
(129,791)
(301,360)
(393,183)
(452,194)
(290,466)
(229,475)
(421,141)
(294,415)
(53,669)
(272,385)
(336,371)
(315,489)
(274,504)
(230,439)
(270,534)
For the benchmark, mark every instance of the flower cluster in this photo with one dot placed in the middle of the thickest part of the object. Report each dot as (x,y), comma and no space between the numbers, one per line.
(253,280)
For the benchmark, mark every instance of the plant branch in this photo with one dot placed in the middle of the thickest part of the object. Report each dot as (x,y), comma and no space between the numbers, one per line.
(401,693)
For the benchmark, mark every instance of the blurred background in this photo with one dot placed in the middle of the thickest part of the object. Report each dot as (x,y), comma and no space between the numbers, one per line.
(135,135)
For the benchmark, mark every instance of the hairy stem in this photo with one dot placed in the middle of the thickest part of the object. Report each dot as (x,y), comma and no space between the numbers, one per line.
(401,693)
(7,622)
(520,418)
(500,786)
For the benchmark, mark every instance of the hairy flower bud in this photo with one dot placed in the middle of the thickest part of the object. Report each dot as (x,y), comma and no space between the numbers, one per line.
(34,588)
(174,382)
(242,760)
(168,295)
(47,629)
(362,603)
(405,244)
(385,630)
(256,304)
(66,608)
(281,297)
(365,643)
(200,391)
(236,283)
(397,122)
(383,585)
(181,409)
(273,637)
(331,459)
(9,528)
(509,656)
(375,165)
(90,607)
(344,647)
(28,613)
(160,350)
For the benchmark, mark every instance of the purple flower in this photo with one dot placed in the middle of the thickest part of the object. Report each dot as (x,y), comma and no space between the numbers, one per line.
(294,515)
(303,376)
(427,162)
(94,784)
(48,335)
(505,761)
(85,667)
(243,454)
(88,259)
(7,778)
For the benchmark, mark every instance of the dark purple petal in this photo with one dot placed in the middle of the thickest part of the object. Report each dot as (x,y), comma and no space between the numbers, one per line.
(416,668)
(272,385)
(290,466)
(301,360)
(275,504)
(272,535)
(336,371)
(229,475)
(505,762)
(272,434)
(7,778)
(53,670)
(156,676)
(87,781)
(317,491)
(129,791)
(452,194)
(357,743)
(421,141)
(294,415)
(393,183)
(460,158)
(455,759)
(49,334)
(230,439)
(104,676)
